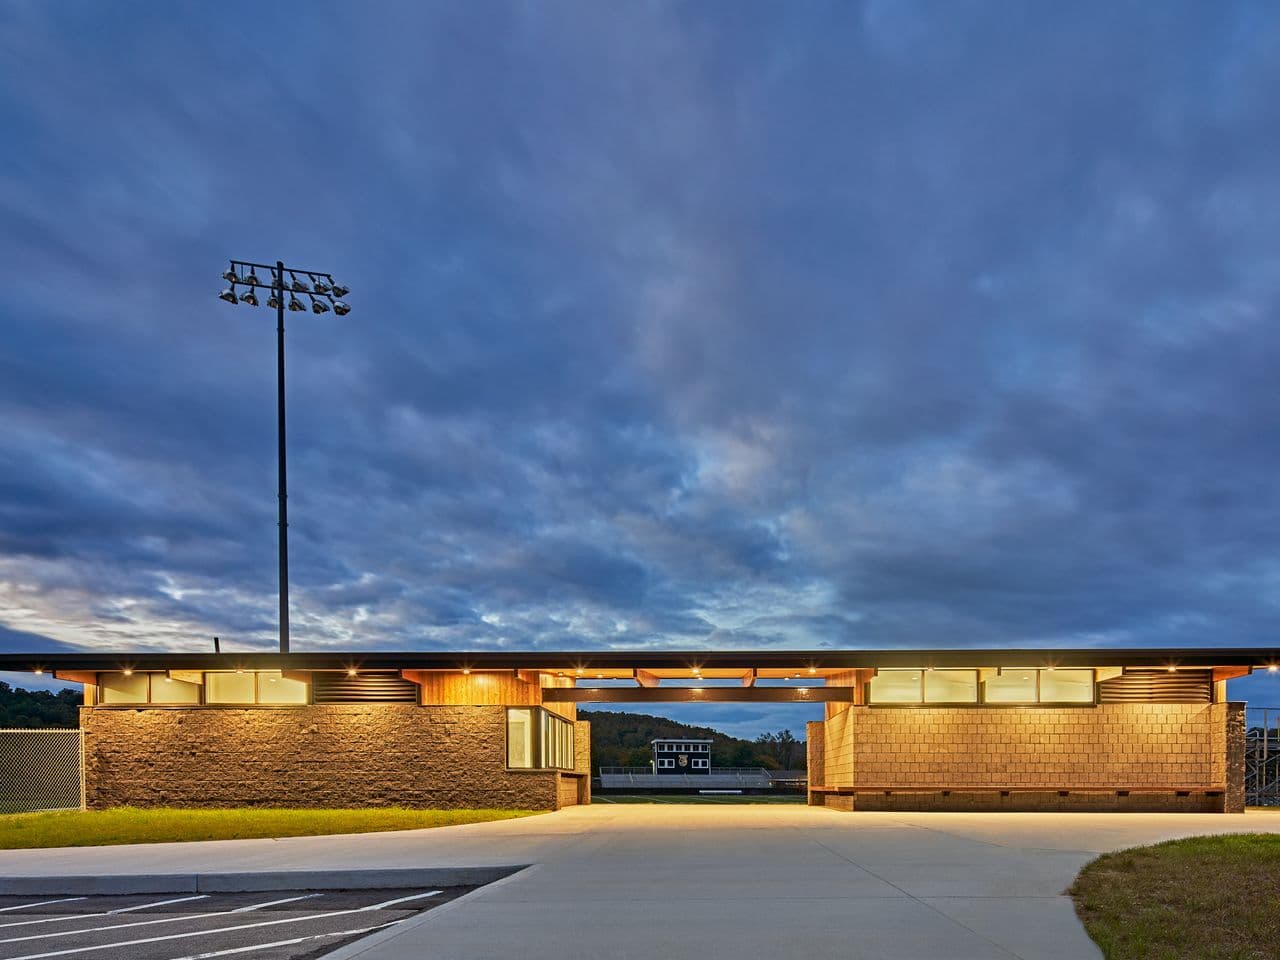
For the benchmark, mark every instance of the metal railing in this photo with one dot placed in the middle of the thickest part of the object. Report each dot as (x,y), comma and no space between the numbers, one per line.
(647,771)
(1262,757)
(41,770)
(717,778)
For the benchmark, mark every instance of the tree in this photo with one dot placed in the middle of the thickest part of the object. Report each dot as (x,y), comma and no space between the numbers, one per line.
(38,708)
(781,747)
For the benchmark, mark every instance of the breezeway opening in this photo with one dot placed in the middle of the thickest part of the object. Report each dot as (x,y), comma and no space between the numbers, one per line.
(707,740)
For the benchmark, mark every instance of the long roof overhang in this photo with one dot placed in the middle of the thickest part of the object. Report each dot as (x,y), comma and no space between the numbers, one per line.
(614,660)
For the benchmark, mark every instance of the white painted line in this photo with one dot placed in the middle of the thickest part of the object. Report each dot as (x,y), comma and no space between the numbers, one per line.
(391,903)
(42,903)
(176,918)
(158,903)
(269,903)
(107,913)
(286,943)
(210,933)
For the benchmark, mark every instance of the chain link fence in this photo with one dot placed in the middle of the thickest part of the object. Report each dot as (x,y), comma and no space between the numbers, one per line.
(41,770)
(1262,757)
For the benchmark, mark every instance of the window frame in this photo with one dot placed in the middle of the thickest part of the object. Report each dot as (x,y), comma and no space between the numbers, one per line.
(548,739)
(982,701)
(155,690)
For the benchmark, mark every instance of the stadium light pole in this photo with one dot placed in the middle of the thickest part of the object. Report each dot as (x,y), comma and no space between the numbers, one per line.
(325,294)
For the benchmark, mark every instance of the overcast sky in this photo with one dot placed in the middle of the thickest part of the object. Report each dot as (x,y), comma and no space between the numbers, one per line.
(699,325)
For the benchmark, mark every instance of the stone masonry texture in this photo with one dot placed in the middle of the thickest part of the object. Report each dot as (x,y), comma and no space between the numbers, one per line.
(1235,757)
(340,755)
(1080,756)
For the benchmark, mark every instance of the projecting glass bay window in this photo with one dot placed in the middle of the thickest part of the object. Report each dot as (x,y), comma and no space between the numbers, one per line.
(538,739)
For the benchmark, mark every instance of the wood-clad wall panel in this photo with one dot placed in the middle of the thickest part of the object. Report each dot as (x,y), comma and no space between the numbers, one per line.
(478,688)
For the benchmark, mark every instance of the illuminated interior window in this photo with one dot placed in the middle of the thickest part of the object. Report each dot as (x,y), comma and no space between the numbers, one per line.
(897,686)
(275,688)
(1011,686)
(165,689)
(520,738)
(951,686)
(122,688)
(538,739)
(228,687)
(1066,686)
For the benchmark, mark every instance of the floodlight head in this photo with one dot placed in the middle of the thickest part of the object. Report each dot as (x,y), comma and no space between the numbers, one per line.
(340,308)
(273,300)
(229,275)
(340,290)
(249,297)
(300,286)
(295,305)
(229,295)
(319,286)
(319,306)
(252,278)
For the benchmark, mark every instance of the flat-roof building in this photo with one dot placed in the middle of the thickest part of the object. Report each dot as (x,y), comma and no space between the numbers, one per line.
(1090,729)
(673,756)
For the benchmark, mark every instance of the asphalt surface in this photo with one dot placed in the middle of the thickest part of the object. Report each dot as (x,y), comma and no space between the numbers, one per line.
(270,925)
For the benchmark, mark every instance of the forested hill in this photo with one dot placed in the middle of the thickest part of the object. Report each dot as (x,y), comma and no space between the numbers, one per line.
(38,708)
(622,740)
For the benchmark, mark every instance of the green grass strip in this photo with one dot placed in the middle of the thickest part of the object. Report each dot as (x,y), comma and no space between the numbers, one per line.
(91,828)
(1203,898)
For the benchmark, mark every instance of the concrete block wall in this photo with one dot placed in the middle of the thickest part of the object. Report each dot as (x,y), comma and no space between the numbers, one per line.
(1136,744)
(339,755)
(842,748)
(1145,746)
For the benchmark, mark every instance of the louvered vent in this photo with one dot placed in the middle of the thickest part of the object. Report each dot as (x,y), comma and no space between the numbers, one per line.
(1158,686)
(374,687)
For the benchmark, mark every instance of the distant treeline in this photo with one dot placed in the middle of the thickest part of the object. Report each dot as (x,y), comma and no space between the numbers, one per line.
(39,708)
(622,740)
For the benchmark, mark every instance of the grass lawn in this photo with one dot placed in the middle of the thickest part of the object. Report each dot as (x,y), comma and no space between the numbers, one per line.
(91,828)
(1204,898)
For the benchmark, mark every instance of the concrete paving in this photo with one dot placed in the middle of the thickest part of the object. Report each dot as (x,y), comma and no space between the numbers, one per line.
(631,882)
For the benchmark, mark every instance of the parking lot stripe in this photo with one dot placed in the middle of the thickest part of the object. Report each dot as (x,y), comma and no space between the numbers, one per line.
(176,918)
(286,943)
(392,903)
(204,933)
(107,913)
(272,903)
(42,903)
(158,903)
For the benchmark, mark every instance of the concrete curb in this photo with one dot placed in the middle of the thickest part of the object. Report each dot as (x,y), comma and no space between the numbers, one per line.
(246,882)
(359,948)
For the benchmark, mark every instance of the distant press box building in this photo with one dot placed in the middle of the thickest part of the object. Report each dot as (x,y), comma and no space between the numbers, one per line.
(681,756)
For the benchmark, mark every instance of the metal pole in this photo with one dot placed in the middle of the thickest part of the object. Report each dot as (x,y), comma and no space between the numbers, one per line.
(284,486)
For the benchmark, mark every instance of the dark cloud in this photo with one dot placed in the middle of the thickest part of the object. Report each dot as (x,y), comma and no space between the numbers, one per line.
(869,323)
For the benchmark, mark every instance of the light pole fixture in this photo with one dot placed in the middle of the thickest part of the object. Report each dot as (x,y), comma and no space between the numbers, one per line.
(282,289)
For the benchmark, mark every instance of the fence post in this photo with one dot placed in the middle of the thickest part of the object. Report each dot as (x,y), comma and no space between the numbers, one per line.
(82,787)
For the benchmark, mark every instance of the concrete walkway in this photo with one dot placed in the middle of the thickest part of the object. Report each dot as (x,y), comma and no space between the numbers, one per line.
(614,882)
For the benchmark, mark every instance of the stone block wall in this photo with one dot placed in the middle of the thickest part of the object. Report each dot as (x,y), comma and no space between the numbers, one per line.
(995,758)
(1132,744)
(339,755)
(1235,735)
(815,738)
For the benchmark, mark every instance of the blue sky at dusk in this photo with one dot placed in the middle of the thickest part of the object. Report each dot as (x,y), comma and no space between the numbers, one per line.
(690,325)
